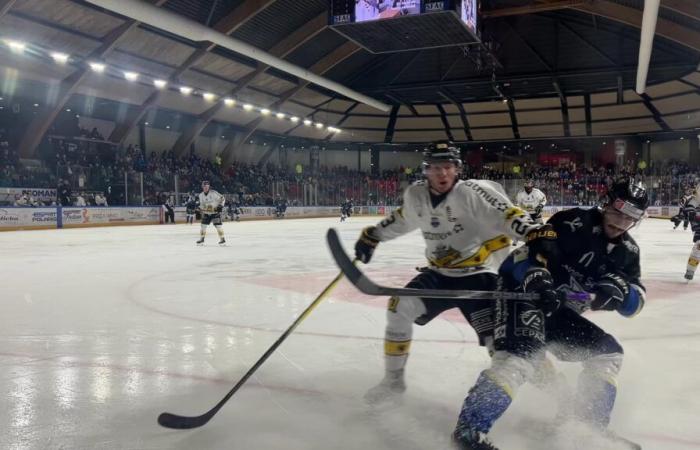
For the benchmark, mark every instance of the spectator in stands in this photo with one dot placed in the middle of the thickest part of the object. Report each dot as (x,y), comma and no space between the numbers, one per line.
(21,200)
(80,200)
(100,199)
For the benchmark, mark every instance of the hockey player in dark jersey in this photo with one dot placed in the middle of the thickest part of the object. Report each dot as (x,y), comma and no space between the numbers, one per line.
(578,250)
(345,210)
(190,208)
(686,212)
(234,211)
(280,208)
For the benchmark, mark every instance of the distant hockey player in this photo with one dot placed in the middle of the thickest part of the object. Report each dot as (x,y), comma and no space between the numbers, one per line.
(345,210)
(191,207)
(234,211)
(169,209)
(582,250)
(693,213)
(280,207)
(211,203)
(685,213)
(531,200)
(467,227)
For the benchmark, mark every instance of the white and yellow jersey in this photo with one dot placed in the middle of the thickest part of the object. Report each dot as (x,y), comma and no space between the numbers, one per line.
(694,199)
(210,200)
(529,202)
(468,232)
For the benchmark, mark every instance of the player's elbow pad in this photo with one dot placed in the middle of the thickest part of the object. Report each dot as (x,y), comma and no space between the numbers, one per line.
(634,302)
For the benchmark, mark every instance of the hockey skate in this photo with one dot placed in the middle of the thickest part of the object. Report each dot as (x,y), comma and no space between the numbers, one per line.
(222,241)
(466,438)
(689,275)
(388,390)
(200,241)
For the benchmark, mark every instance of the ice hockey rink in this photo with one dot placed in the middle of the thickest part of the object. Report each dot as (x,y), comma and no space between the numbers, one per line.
(102,329)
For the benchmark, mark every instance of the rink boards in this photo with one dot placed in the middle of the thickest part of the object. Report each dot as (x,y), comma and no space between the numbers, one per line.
(19,218)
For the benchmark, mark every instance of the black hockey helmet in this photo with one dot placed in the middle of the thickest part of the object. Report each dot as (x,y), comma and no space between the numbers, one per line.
(628,197)
(442,151)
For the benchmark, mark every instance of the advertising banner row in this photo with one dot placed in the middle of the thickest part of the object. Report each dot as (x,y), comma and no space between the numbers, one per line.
(14,218)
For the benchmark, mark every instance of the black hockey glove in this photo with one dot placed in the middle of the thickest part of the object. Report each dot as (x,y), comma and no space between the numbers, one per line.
(539,280)
(542,246)
(538,210)
(219,208)
(365,245)
(610,292)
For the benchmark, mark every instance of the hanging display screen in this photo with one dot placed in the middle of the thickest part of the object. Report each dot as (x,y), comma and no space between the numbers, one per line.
(366,10)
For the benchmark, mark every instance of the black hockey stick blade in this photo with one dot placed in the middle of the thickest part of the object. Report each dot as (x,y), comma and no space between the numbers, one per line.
(367,286)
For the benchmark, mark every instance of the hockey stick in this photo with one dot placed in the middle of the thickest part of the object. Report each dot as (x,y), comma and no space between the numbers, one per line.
(367,286)
(169,420)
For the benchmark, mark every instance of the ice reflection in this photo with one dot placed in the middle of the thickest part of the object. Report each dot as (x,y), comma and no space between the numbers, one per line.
(66,385)
(102,379)
(23,396)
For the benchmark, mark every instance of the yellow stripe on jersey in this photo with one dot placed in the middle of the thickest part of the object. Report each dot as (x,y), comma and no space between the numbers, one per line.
(477,259)
(396,348)
(513,212)
(693,262)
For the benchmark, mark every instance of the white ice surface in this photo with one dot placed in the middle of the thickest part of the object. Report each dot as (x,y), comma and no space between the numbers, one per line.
(102,329)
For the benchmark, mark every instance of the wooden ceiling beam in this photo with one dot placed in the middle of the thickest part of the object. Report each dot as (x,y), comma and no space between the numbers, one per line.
(688,37)
(5,6)
(282,49)
(228,24)
(551,5)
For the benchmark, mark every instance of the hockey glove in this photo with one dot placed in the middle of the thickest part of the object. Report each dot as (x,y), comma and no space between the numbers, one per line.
(542,246)
(219,208)
(610,292)
(538,210)
(539,280)
(365,245)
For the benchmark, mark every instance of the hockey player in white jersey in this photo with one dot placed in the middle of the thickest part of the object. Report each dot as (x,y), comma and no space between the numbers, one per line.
(692,211)
(531,200)
(210,203)
(467,227)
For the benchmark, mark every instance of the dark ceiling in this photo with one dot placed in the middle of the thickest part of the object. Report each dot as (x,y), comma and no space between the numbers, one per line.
(560,51)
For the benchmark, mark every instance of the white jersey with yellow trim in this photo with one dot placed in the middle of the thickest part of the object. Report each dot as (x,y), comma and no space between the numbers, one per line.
(694,200)
(468,232)
(530,202)
(210,200)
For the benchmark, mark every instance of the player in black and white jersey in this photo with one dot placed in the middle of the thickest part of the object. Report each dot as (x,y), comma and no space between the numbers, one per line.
(191,208)
(345,210)
(531,200)
(580,250)
(210,203)
(692,210)
(467,227)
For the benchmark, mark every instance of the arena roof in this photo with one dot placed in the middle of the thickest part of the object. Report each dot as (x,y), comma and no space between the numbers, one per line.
(548,68)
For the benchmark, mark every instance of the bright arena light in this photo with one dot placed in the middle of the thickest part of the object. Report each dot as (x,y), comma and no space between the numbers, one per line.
(294,119)
(160,84)
(97,67)
(333,130)
(307,122)
(319,125)
(280,115)
(131,76)
(265,111)
(184,90)
(248,107)
(208,96)
(16,46)
(60,58)
(229,102)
